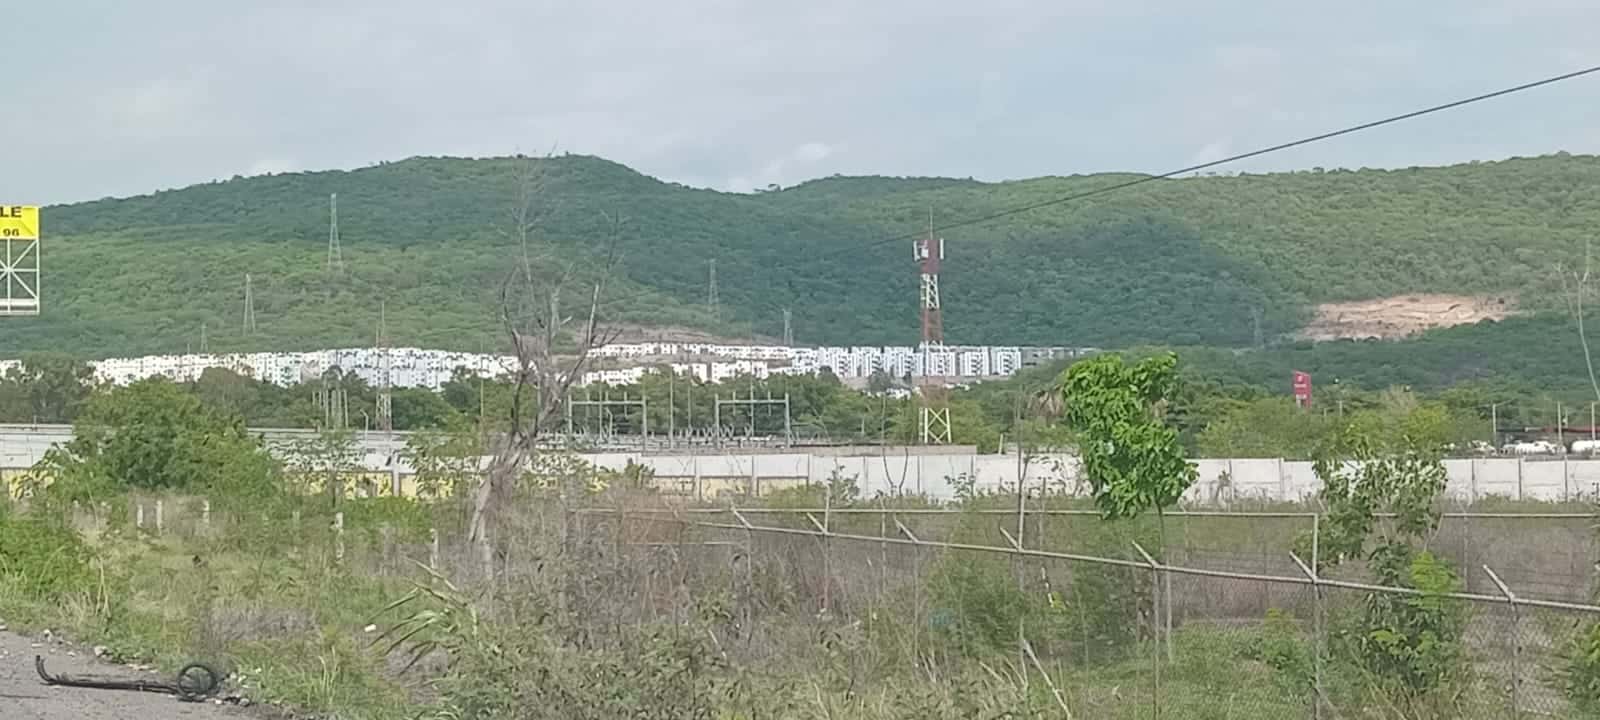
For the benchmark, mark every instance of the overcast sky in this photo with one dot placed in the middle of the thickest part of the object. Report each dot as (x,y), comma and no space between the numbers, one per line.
(117,98)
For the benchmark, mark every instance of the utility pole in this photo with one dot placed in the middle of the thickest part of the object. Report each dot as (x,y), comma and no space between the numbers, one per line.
(1494,426)
(335,255)
(788,332)
(385,396)
(203,347)
(1560,421)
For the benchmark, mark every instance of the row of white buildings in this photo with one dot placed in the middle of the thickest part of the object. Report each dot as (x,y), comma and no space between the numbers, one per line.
(623,363)
(900,361)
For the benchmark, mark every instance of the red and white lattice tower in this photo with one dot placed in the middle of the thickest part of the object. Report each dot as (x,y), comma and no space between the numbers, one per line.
(931,386)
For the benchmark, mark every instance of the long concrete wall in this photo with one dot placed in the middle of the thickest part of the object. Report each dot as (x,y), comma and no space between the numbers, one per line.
(1221,480)
(936,473)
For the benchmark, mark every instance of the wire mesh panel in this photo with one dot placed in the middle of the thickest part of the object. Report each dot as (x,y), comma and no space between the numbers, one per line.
(1558,663)
(1237,662)
(1544,557)
(1424,657)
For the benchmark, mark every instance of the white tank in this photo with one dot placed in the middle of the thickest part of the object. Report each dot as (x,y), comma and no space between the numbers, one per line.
(1586,447)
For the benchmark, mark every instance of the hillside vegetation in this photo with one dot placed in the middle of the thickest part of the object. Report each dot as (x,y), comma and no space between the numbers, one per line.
(1182,262)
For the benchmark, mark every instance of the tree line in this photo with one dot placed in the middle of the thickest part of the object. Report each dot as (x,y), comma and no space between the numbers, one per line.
(1213,413)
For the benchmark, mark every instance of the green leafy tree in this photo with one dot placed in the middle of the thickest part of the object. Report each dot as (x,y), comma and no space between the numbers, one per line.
(1131,457)
(154,435)
(330,458)
(417,408)
(1266,428)
(45,388)
(1382,507)
(446,460)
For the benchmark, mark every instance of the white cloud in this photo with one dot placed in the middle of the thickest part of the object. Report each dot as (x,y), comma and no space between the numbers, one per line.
(125,98)
(1211,152)
(798,164)
(269,165)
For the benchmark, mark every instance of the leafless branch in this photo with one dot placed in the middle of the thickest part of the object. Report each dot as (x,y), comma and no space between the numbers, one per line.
(1576,293)
(536,333)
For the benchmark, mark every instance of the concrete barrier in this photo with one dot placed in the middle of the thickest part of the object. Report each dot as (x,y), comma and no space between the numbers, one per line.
(938,473)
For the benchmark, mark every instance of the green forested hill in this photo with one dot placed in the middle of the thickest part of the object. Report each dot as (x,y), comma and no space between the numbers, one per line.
(1172,262)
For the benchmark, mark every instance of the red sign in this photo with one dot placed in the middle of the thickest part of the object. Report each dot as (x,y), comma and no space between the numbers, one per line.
(1302,389)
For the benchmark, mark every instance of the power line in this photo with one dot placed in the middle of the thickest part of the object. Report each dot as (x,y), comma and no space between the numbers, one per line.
(1251,154)
(1180,171)
(1185,170)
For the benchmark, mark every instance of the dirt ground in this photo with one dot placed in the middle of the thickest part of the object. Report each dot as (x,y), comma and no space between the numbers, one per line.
(24,697)
(1402,315)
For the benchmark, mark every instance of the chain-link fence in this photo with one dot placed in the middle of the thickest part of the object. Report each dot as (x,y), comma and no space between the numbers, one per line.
(1191,615)
(1232,623)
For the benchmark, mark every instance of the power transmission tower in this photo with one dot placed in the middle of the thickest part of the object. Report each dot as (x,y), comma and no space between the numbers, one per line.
(711,293)
(203,347)
(385,399)
(935,401)
(788,332)
(249,308)
(335,256)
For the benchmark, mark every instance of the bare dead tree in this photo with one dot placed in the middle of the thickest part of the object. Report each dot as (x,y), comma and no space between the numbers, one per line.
(533,316)
(1575,289)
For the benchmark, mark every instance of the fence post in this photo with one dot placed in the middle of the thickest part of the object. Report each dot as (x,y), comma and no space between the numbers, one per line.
(749,573)
(138,515)
(433,549)
(1155,624)
(205,514)
(159,515)
(827,549)
(1317,613)
(1516,641)
(883,550)
(338,537)
(1020,565)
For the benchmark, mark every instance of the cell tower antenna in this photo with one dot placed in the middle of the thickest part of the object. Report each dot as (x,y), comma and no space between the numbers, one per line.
(335,256)
(935,401)
(385,381)
(249,308)
(711,293)
(788,330)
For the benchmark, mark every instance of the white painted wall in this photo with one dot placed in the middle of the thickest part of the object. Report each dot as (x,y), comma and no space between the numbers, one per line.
(935,475)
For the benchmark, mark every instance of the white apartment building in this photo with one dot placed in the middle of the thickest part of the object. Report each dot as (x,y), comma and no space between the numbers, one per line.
(423,368)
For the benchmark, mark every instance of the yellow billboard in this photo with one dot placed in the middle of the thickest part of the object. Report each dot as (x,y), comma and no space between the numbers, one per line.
(19,222)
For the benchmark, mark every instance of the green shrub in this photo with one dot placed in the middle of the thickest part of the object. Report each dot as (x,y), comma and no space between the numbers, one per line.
(1579,674)
(43,555)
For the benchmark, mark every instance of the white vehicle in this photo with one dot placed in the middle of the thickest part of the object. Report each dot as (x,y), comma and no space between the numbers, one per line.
(1585,447)
(1536,447)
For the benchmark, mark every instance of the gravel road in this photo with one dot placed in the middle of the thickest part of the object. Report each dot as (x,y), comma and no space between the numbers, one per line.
(24,697)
